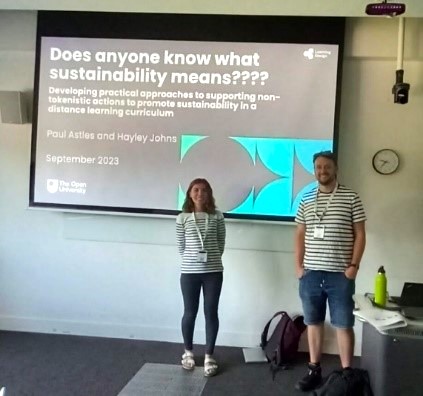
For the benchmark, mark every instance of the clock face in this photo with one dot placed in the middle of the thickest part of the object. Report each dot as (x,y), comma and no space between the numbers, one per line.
(385,161)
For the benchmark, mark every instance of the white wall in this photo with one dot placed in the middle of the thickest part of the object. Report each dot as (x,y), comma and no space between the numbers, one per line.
(118,276)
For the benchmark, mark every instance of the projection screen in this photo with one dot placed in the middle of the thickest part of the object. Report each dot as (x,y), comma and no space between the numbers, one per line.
(129,108)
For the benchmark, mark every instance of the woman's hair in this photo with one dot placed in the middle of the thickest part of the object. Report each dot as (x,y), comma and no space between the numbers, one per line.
(210,206)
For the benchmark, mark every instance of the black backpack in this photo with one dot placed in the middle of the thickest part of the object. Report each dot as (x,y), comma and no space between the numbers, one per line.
(282,346)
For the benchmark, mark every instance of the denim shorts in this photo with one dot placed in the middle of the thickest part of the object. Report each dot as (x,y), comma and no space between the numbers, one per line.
(317,287)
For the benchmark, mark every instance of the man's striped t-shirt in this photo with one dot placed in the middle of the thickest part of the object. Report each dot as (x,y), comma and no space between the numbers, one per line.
(334,251)
(189,242)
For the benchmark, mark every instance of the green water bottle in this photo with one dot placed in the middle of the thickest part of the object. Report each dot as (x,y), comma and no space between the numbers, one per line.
(380,287)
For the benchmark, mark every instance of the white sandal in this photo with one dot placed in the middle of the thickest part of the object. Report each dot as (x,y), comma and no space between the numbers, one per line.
(188,362)
(210,367)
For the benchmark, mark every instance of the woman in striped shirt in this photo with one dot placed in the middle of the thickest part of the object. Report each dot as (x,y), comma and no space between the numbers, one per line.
(200,234)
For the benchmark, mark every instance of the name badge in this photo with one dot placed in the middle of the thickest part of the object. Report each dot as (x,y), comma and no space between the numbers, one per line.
(202,256)
(319,232)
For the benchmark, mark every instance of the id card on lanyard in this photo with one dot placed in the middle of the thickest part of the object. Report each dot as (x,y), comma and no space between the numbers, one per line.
(319,229)
(202,253)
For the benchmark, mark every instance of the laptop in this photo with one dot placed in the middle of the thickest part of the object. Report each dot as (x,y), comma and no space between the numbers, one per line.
(411,300)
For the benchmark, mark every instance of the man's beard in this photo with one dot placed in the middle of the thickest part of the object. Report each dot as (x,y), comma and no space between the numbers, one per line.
(328,181)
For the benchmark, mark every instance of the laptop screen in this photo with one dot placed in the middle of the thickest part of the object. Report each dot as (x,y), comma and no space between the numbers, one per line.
(412,295)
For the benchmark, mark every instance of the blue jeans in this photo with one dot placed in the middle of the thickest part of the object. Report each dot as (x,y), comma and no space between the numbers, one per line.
(319,287)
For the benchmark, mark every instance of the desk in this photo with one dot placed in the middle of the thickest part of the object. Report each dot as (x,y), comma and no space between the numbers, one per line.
(394,360)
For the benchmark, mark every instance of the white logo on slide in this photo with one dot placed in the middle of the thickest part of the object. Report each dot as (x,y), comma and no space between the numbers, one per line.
(52,185)
(309,53)
(64,186)
(312,54)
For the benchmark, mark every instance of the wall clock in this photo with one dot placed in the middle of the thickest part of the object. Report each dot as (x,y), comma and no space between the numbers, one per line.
(386,161)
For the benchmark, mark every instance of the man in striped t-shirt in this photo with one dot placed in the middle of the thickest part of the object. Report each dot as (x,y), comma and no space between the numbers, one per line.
(329,243)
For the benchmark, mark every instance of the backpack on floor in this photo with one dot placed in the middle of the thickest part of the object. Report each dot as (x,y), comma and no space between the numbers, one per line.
(282,346)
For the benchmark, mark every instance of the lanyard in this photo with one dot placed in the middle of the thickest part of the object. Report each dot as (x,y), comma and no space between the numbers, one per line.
(198,230)
(319,218)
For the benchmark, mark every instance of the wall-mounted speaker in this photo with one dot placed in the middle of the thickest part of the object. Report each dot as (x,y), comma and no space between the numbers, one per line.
(12,108)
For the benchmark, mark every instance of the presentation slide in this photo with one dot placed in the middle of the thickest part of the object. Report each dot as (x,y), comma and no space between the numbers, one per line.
(126,124)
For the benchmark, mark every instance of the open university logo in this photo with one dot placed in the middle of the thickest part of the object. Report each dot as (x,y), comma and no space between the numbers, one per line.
(52,185)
